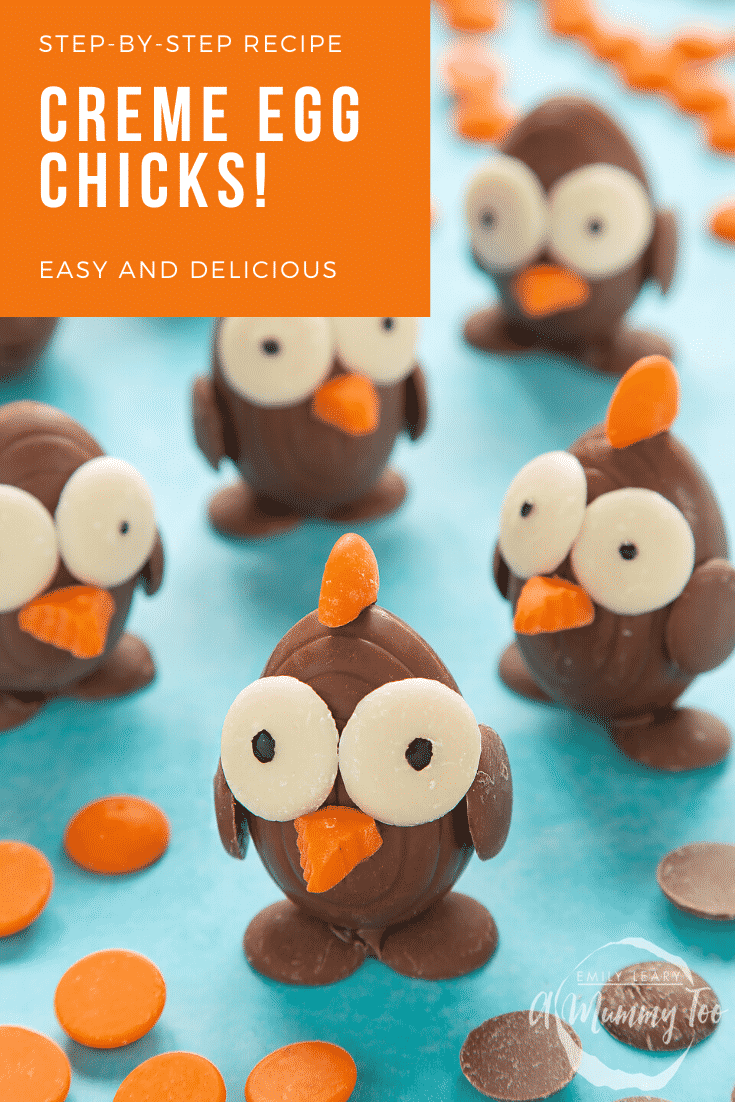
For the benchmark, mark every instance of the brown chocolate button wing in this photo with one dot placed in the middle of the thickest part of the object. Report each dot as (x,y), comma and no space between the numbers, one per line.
(700,631)
(655,1006)
(490,798)
(232,821)
(700,879)
(521,1056)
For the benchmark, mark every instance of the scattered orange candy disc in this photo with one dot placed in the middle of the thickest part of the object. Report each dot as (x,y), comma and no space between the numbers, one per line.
(173,1077)
(117,834)
(310,1071)
(722,223)
(32,1067)
(26,880)
(110,999)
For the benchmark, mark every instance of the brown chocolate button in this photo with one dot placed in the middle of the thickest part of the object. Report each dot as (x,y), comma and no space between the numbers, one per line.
(700,879)
(656,1007)
(521,1056)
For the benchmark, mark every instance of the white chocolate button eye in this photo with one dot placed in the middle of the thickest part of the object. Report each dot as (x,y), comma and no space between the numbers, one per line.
(105,522)
(381,348)
(29,554)
(409,752)
(507,214)
(601,220)
(541,514)
(635,552)
(275,361)
(279,749)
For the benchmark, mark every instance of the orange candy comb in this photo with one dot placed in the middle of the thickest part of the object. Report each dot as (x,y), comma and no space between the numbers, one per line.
(349,583)
(722,222)
(644,403)
(350,403)
(332,841)
(75,619)
(552,604)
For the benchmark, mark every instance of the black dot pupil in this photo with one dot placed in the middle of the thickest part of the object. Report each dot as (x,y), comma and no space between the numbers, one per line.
(388,323)
(628,551)
(264,747)
(488,219)
(526,508)
(270,346)
(418,754)
(595,225)
(124,528)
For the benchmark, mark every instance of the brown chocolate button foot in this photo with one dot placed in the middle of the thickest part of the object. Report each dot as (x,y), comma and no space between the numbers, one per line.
(241,514)
(627,346)
(675,741)
(14,711)
(129,668)
(454,936)
(491,331)
(514,674)
(285,943)
(384,498)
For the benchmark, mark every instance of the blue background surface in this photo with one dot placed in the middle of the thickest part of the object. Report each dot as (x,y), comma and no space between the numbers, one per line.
(589,826)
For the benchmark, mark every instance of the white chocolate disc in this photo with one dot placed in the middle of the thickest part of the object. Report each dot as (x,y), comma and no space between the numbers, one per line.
(541,514)
(416,720)
(381,348)
(29,555)
(601,220)
(279,749)
(105,522)
(635,552)
(275,361)
(507,214)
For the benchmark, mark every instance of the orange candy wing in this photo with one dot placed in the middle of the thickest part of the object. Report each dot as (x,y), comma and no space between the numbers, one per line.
(644,403)
(117,834)
(332,842)
(350,581)
(309,1071)
(26,882)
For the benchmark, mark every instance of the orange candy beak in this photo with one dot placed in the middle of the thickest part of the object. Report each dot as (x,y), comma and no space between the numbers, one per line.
(75,619)
(552,604)
(350,403)
(332,841)
(547,289)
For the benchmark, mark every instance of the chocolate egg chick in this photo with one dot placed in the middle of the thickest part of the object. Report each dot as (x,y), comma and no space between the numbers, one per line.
(77,534)
(366,784)
(22,341)
(614,557)
(308,409)
(564,223)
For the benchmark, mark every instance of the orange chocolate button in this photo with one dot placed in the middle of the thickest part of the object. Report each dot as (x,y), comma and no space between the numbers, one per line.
(26,880)
(110,999)
(32,1067)
(310,1071)
(117,834)
(173,1077)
